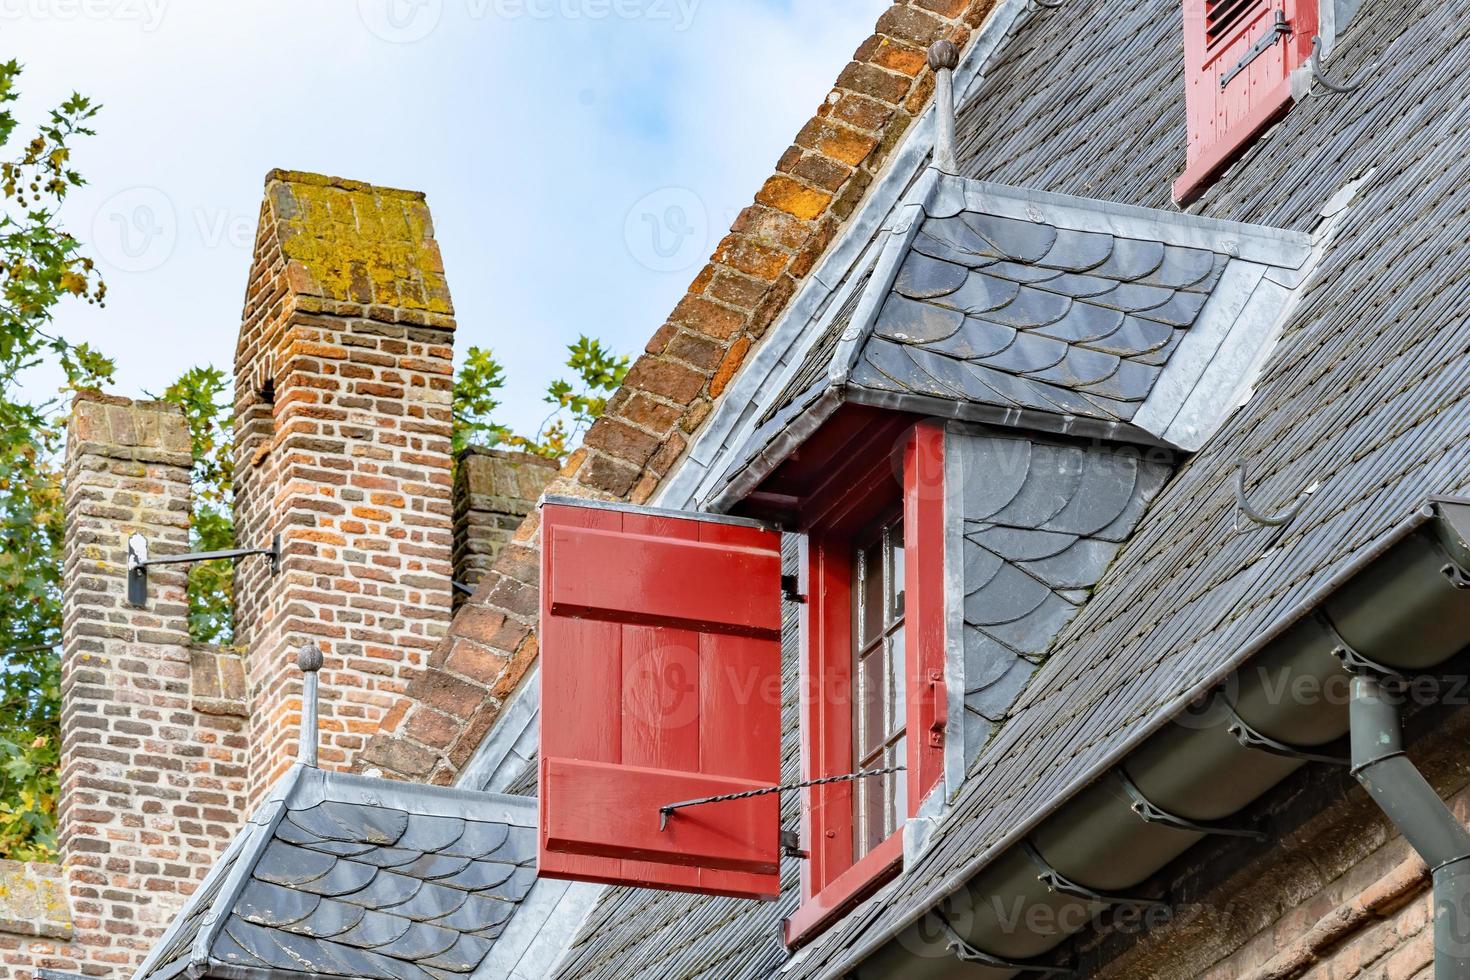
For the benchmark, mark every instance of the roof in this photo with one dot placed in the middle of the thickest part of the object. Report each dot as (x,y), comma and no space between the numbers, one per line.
(1042,311)
(1367,394)
(347,876)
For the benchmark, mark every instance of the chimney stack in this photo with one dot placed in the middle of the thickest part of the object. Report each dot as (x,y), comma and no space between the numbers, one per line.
(344,381)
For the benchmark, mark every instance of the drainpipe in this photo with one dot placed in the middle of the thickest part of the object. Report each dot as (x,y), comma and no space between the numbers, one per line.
(1421,817)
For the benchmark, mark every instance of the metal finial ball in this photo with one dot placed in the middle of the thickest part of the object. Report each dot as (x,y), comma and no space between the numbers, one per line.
(309,658)
(944,54)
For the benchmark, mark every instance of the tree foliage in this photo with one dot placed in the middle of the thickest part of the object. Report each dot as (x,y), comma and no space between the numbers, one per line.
(40,265)
(576,403)
(201,392)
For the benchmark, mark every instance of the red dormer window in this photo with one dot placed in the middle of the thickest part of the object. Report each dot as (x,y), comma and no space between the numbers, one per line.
(1238,60)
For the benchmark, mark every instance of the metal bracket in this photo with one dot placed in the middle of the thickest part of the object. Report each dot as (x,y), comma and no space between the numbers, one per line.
(1456,575)
(1352,661)
(791,589)
(139,562)
(1252,739)
(966,953)
(1279,519)
(1062,885)
(1150,812)
(1279,28)
(1314,64)
(791,845)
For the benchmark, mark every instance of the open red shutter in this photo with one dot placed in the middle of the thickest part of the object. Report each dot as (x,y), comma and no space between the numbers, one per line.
(660,682)
(1238,60)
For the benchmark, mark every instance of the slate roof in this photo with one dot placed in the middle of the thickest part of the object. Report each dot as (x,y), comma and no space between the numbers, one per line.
(1043,311)
(1367,394)
(346,876)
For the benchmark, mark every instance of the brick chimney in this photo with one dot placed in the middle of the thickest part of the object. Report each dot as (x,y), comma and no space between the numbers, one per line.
(343,384)
(494,490)
(152,749)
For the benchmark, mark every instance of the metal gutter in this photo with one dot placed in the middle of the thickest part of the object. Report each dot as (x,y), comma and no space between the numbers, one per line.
(1097,841)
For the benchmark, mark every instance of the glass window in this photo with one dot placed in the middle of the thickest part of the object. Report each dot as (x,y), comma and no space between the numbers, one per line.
(880,802)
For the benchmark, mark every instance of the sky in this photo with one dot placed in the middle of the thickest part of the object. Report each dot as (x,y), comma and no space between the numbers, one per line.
(581,157)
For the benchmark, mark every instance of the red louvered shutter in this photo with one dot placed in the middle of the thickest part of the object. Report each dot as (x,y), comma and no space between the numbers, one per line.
(1238,60)
(660,682)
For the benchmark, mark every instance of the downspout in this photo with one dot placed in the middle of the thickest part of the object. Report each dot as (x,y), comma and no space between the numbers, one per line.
(1423,819)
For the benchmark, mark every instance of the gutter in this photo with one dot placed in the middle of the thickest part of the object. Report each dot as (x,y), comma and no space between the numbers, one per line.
(1400,605)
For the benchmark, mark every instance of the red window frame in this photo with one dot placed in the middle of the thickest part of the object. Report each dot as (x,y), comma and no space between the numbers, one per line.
(1224,121)
(867,489)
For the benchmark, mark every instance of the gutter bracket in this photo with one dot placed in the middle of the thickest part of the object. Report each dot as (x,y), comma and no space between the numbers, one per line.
(1353,661)
(1252,739)
(1062,885)
(966,953)
(1150,812)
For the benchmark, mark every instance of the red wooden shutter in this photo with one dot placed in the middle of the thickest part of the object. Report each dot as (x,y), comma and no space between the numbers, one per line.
(660,682)
(1238,60)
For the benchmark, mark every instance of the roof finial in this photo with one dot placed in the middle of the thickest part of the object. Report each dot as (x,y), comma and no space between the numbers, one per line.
(944,57)
(309,659)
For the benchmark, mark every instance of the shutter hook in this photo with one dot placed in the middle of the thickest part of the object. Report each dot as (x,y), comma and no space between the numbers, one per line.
(1314,61)
(1048,4)
(1243,506)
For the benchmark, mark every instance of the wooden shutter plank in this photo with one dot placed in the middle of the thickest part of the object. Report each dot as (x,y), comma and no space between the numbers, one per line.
(613,811)
(684,616)
(641,578)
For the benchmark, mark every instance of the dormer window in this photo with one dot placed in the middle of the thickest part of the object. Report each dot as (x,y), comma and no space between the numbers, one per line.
(1238,60)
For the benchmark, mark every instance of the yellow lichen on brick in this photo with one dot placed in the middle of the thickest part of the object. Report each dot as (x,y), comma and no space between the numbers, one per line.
(353,242)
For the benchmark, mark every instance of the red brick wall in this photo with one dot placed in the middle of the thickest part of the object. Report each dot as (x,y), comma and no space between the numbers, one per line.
(153,747)
(343,417)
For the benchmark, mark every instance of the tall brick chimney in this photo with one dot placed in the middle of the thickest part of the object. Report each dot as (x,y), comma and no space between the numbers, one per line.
(152,777)
(343,384)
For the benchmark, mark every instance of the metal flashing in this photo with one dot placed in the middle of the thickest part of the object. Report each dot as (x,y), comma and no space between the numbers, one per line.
(624,507)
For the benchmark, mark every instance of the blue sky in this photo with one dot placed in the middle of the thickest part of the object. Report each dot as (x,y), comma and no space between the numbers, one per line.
(581,157)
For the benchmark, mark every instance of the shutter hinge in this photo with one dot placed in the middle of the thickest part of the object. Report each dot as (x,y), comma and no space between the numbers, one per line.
(1279,28)
(941,719)
(791,589)
(791,845)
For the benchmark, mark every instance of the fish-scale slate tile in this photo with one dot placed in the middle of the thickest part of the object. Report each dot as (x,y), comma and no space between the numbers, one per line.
(1041,523)
(342,889)
(1018,314)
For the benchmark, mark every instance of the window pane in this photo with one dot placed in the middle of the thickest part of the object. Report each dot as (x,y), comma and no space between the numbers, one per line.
(872,814)
(899,785)
(897,701)
(896,586)
(872,699)
(871,594)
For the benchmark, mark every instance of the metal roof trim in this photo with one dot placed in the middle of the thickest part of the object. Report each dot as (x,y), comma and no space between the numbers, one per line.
(1254,243)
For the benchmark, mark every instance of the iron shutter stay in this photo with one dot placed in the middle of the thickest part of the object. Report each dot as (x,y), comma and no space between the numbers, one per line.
(1279,28)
